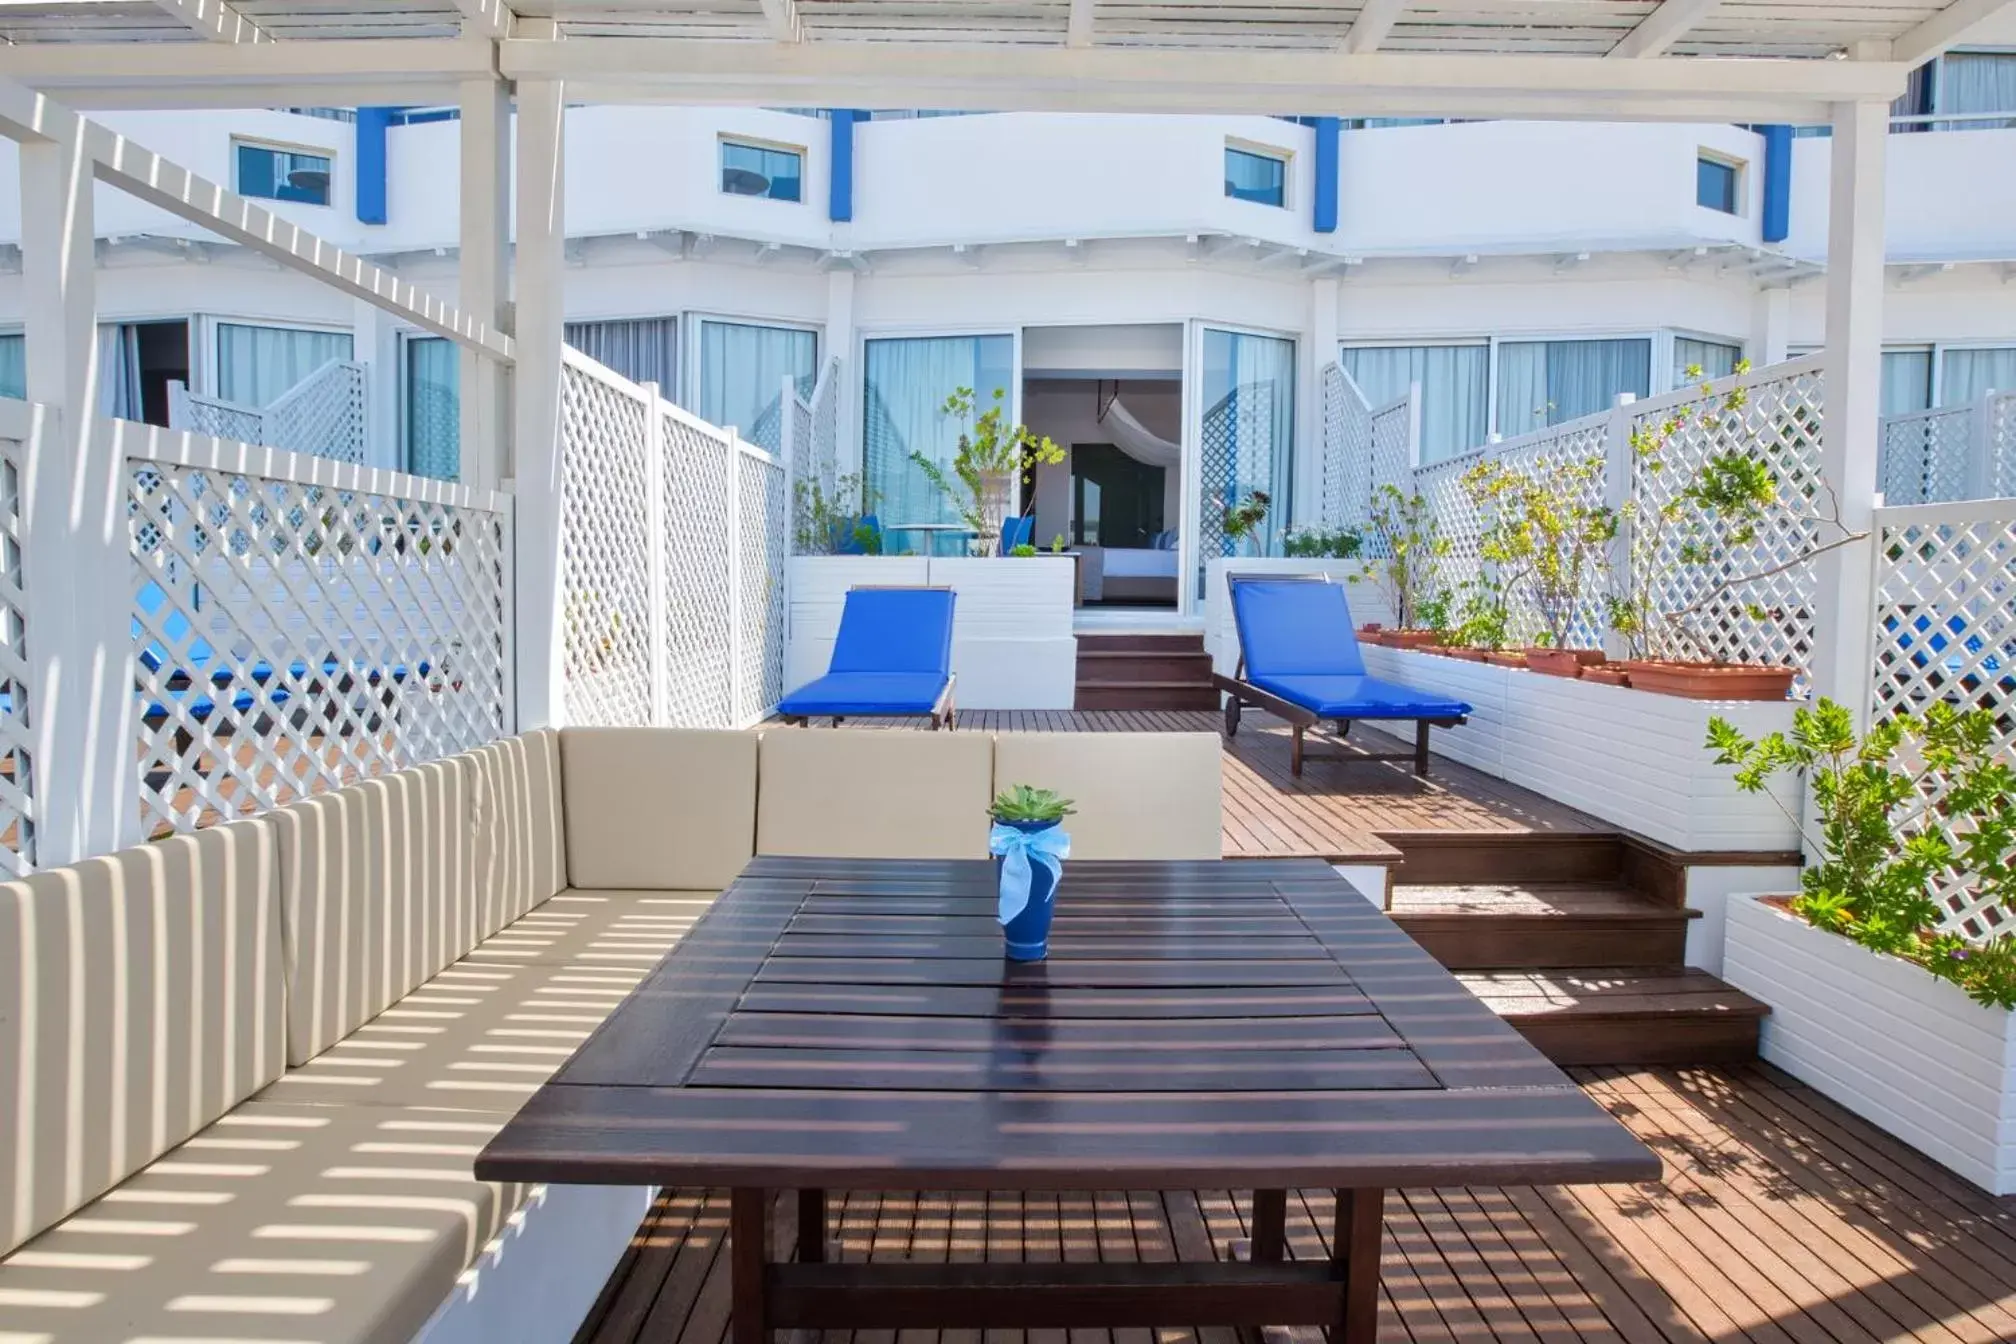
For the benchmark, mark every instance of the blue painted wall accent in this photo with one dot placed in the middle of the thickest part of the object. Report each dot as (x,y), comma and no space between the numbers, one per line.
(1777,183)
(372,124)
(1327,135)
(840,182)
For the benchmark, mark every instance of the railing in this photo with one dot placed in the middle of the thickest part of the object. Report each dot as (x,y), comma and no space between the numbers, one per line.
(1944,630)
(1950,452)
(326,414)
(672,565)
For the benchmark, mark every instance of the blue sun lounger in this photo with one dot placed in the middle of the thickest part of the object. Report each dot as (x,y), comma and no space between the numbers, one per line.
(893,657)
(1299,660)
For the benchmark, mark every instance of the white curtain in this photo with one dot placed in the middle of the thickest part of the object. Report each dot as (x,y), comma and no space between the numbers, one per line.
(644,349)
(905,384)
(1543,383)
(14,365)
(1965,375)
(1977,81)
(119,371)
(433,414)
(1907,381)
(742,369)
(1136,440)
(1714,359)
(1249,388)
(1455,390)
(256,365)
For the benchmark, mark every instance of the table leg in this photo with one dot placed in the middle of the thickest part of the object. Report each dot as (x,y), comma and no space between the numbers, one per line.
(748,1244)
(1355,1251)
(1270,1225)
(811,1227)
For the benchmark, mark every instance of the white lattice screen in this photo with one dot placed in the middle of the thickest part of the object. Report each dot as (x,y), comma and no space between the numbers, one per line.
(326,414)
(1945,631)
(1347,449)
(297,631)
(17,776)
(2001,418)
(674,536)
(1925,456)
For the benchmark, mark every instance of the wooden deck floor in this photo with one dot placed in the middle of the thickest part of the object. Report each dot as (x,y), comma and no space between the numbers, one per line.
(1781,1219)
(1338,810)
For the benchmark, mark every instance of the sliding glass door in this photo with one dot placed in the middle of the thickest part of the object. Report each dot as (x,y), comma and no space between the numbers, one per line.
(904,386)
(1246,440)
(256,364)
(1542,383)
(742,372)
(1455,383)
(430,419)
(642,349)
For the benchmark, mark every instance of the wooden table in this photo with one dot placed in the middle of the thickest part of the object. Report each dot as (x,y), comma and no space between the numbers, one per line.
(1248,1025)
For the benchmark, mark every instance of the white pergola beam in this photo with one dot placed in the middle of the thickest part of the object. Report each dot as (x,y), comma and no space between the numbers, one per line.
(486,18)
(34,119)
(1369,29)
(336,72)
(782,16)
(1659,30)
(1080,31)
(216,20)
(1948,28)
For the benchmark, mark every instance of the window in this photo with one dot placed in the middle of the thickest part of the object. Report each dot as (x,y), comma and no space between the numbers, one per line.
(905,385)
(431,408)
(742,371)
(276,173)
(1718,184)
(1976,82)
(1542,383)
(1713,358)
(1455,390)
(769,171)
(1965,376)
(1256,177)
(643,349)
(1907,381)
(256,364)
(1247,436)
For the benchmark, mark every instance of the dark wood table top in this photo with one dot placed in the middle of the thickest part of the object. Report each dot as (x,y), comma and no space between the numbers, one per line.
(852,1024)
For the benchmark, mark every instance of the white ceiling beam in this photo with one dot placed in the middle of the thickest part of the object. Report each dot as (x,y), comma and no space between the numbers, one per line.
(335,72)
(1079,33)
(783,19)
(486,18)
(1664,26)
(1948,28)
(26,115)
(1374,21)
(216,20)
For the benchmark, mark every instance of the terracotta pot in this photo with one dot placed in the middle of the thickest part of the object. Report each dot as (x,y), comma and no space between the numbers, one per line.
(1468,655)
(1505,657)
(1606,674)
(1710,681)
(1562,662)
(1414,639)
(1372,634)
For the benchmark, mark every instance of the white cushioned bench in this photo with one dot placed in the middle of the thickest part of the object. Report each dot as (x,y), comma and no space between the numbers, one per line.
(252,1066)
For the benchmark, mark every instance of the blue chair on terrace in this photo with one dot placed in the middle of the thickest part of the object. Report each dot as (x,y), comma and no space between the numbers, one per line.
(1299,660)
(1017,532)
(893,657)
(847,536)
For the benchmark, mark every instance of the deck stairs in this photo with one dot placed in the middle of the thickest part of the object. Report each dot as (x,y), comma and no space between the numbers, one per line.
(1554,933)
(1144,672)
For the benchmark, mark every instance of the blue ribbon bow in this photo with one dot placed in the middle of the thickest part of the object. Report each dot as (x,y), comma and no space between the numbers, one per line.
(1019,850)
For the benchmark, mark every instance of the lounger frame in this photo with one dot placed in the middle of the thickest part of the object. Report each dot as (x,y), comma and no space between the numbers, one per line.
(944,714)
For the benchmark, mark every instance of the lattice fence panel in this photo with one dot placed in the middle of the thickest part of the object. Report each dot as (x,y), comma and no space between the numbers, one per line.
(1347,450)
(292,638)
(1391,459)
(699,609)
(1945,630)
(1925,456)
(322,415)
(760,505)
(215,417)
(17,776)
(2002,443)
(1779,420)
(606,546)
(1559,453)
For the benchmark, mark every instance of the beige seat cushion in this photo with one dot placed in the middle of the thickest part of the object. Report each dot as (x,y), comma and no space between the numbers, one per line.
(658,808)
(870,794)
(1139,795)
(304,1224)
(488,1030)
(140,999)
(378,891)
(521,850)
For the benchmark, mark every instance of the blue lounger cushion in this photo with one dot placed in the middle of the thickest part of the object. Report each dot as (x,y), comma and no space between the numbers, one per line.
(867,693)
(1358,697)
(893,655)
(1299,644)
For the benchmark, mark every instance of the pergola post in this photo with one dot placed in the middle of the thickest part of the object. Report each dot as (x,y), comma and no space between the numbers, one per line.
(536,450)
(76,565)
(1850,428)
(1320,349)
(484,271)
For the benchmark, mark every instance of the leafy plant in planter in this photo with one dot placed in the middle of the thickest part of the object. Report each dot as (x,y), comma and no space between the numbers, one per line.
(1024,803)
(1545,540)
(1322,543)
(1029,851)
(1410,548)
(990,456)
(1883,845)
(1024,550)
(1483,621)
(1243,518)
(823,523)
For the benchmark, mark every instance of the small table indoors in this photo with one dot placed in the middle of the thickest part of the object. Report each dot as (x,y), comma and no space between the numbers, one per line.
(1248,1025)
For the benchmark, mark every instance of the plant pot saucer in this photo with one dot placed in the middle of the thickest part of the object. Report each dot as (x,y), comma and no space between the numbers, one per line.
(1563,662)
(1505,657)
(1606,674)
(1411,639)
(1468,655)
(1710,680)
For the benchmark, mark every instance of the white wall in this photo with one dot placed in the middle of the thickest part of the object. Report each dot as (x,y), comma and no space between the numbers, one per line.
(1951,196)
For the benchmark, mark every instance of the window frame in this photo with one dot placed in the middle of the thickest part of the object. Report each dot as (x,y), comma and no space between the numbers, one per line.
(1739,181)
(402,377)
(1274,154)
(325,153)
(724,139)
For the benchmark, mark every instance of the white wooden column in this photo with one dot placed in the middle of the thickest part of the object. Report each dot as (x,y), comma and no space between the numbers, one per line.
(77,567)
(1770,326)
(1854,373)
(535,466)
(1319,349)
(840,345)
(484,275)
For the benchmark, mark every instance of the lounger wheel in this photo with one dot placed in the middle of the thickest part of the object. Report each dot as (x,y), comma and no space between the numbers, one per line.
(1231,715)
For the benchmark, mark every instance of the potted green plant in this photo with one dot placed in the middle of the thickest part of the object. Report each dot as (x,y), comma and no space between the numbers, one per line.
(1483,624)
(1029,847)
(1244,518)
(1322,543)
(833,523)
(990,457)
(1409,548)
(1545,539)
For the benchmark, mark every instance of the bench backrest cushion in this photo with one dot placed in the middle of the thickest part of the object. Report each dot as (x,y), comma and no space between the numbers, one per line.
(140,999)
(1138,795)
(378,891)
(874,794)
(521,858)
(664,809)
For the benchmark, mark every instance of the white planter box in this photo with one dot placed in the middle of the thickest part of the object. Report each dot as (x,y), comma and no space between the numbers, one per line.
(1221,632)
(1632,758)
(1904,1051)
(1012,646)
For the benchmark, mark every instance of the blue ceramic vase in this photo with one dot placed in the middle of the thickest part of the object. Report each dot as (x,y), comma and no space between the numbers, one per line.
(1027,936)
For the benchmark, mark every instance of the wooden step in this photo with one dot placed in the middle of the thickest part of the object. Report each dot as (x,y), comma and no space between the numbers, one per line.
(1630,1015)
(1114,665)
(1540,925)
(1432,857)
(1142,643)
(1145,695)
